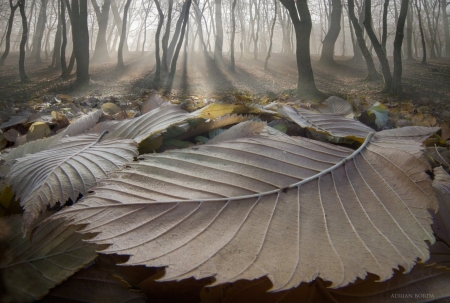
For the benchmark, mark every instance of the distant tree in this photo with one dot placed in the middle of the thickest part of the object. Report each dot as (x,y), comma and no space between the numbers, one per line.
(332,34)
(271,35)
(123,36)
(422,34)
(233,34)
(371,70)
(13,8)
(157,36)
(23,42)
(39,32)
(101,50)
(301,18)
(165,40)
(218,46)
(80,36)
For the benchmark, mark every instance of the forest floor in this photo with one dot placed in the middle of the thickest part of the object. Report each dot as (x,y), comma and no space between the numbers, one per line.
(426,87)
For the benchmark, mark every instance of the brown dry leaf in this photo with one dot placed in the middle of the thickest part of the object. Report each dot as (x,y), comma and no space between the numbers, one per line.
(110,108)
(292,209)
(417,118)
(30,267)
(445,128)
(38,130)
(64,98)
(154,101)
(71,167)
(94,285)
(61,119)
(11,135)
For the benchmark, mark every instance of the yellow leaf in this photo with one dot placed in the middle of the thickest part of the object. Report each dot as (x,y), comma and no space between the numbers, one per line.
(150,145)
(110,108)
(64,98)
(417,118)
(214,110)
(38,130)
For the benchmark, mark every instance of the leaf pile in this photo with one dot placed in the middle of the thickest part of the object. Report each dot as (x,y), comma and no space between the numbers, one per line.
(257,208)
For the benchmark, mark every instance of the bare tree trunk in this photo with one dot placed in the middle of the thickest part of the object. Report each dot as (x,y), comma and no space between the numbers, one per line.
(23,41)
(271,35)
(384,35)
(116,14)
(445,16)
(306,85)
(173,66)
(371,70)
(256,37)
(101,49)
(409,33)
(176,34)
(378,47)
(39,32)
(123,36)
(424,46)
(332,34)
(218,45)
(397,75)
(165,40)
(233,33)
(56,56)
(430,30)
(80,36)
(8,31)
(157,35)
(33,5)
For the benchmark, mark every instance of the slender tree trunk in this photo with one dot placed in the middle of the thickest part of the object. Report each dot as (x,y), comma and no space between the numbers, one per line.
(333,33)
(422,35)
(8,31)
(430,31)
(80,37)
(233,33)
(384,35)
(23,41)
(101,49)
(56,56)
(257,20)
(219,31)
(64,73)
(39,32)
(173,66)
(371,70)
(123,36)
(165,40)
(445,16)
(33,5)
(157,36)
(118,21)
(176,34)
(409,33)
(306,85)
(397,75)
(378,47)
(271,35)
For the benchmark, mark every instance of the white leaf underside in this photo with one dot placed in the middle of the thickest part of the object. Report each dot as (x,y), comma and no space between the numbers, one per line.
(155,121)
(290,208)
(68,169)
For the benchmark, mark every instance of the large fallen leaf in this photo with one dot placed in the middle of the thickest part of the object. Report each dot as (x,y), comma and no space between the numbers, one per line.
(29,268)
(153,122)
(83,124)
(328,124)
(68,169)
(292,209)
(215,110)
(94,285)
(441,184)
